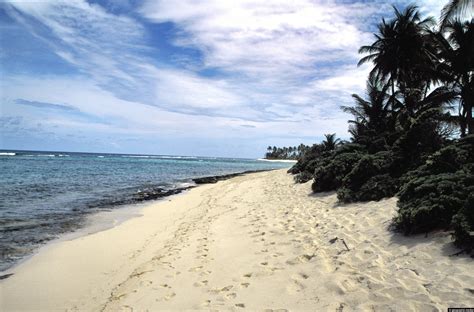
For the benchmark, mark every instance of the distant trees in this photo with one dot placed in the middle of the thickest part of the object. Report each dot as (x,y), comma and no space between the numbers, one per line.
(401,138)
(291,152)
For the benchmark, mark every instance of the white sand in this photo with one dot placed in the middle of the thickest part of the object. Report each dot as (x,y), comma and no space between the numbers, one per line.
(256,242)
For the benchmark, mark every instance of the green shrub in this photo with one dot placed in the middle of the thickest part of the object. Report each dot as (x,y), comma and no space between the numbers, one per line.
(315,158)
(419,139)
(463,224)
(439,193)
(303,177)
(306,162)
(369,179)
(430,202)
(329,175)
(375,188)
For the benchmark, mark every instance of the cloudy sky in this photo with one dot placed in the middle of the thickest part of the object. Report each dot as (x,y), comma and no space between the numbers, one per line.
(184,77)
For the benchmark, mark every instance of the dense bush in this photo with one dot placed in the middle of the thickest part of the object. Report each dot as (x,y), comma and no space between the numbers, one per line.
(377,187)
(370,179)
(401,130)
(306,162)
(463,224)
(329,175)
(303,177)
(439,193)
(316,157)
(419,139)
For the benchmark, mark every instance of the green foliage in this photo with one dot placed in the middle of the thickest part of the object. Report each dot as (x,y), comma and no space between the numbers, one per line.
(316,155)
(401,129)
(303,177)
(329,175)
(369,179)
(463,224)
(438,193)
(306,161)
(419,138)
(291,152)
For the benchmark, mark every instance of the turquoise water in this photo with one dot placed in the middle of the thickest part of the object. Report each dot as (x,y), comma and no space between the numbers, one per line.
(45,194)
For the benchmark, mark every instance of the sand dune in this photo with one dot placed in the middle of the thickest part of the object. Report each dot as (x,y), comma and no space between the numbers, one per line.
(256,242)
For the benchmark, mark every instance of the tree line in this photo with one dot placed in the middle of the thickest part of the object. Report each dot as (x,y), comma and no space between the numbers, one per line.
(291,152)
(412,133)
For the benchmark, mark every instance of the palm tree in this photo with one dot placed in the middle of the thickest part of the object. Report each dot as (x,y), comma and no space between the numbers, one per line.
(457,68)
(374,117)
(456,9)
(402,53)
(330,142)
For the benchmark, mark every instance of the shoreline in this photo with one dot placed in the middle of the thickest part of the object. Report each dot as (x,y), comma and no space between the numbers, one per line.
(255,241)
(279,160)
(120,212)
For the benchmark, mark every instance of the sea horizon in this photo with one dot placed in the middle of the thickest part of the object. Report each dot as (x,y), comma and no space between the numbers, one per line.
(45,194)
(62,152)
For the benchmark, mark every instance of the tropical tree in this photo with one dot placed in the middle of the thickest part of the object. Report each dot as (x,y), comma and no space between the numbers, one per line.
(330,142)
(456,9)
(457,68)
(403,54)
(374,120)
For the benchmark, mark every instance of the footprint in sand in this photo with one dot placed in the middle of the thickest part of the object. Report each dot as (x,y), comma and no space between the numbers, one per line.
(201,283)
(146,283)
(164,292)
(227,288)
(295,287)
(126,308)
(231,296)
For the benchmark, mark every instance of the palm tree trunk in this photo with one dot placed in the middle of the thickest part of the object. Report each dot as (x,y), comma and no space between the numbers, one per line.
(393,91)
(467,103)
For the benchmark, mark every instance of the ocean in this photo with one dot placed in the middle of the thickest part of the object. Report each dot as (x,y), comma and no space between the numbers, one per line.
(46,194)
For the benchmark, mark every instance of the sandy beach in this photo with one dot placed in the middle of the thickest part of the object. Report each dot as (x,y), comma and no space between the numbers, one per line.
(256,242)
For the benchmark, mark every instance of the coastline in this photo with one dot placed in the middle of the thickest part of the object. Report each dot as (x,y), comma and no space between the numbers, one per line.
(278,160)
(255,241)
(118,211)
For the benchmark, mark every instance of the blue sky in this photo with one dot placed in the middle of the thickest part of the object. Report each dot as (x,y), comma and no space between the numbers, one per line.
(187,77)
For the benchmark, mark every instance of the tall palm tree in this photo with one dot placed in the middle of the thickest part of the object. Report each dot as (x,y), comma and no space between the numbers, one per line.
(330,142)
(374,116)
(456,9)
(457,68)
(402,53)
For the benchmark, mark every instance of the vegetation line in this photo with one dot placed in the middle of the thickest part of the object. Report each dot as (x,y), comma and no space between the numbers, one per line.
(412,133)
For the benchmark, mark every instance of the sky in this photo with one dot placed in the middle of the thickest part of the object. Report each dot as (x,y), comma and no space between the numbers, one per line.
(185,77)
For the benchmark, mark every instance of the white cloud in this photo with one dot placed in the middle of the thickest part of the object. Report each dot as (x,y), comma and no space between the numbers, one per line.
(282,68)
(282,55)
(264,37)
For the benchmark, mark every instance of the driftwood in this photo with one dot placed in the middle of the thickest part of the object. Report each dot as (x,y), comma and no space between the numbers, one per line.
(332,241)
